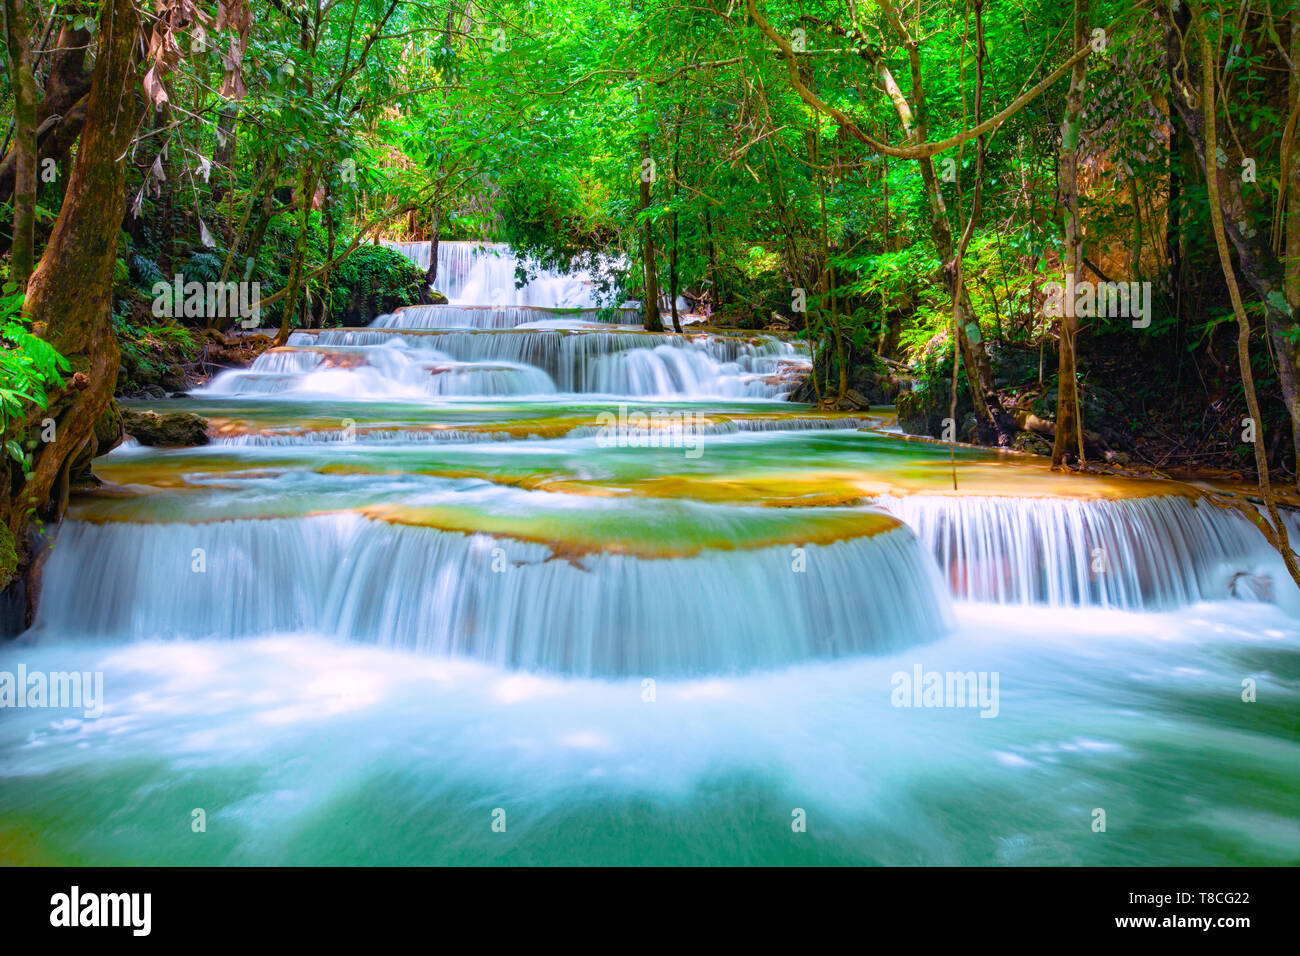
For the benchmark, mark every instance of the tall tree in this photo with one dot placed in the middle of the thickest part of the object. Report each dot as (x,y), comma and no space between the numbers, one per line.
(646,174)
(1069,416)
(18,51)
(69,296)
(1209,98)
(1255,258)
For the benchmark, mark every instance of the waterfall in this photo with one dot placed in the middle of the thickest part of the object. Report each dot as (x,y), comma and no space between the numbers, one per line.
(375,363)
(510,602)
(460,264)
(417,252)
(787,424)
(491,317)
(1151,552)
(388,372)
(545,337)
(485,274)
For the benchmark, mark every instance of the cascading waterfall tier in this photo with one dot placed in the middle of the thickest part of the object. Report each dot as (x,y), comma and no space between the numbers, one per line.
(544,337)
(489,273)
(624,363)
(492,317)
(1130,553)
(391,372)
(485,273)
(505,601)
(710,426)
(375,363)
(418,252)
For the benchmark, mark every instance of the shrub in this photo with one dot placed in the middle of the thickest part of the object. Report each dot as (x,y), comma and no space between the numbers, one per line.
(29,368)
(372,281)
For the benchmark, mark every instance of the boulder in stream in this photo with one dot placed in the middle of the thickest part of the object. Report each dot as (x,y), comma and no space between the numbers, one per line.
(170,429)
(1032,442)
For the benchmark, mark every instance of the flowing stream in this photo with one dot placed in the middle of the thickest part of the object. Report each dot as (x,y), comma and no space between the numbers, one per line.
(511,580)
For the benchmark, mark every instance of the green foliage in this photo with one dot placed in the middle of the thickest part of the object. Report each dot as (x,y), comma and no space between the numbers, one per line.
(540,140)
(203,267)
(145,272)
(29,368)
(8,556)
(151,352)
(373,280)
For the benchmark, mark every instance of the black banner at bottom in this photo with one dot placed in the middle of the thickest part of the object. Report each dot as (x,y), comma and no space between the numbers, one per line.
(330,905)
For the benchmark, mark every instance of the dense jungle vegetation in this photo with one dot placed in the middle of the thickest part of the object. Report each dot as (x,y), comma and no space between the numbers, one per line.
(899,184)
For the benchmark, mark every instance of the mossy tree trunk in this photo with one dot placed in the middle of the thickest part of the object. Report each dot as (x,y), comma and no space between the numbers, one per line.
(69,296)
(19,56)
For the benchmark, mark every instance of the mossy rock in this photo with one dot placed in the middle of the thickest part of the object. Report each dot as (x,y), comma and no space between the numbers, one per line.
(169,430)
(173,378)
(8,557)
(1033,443)
(373,281)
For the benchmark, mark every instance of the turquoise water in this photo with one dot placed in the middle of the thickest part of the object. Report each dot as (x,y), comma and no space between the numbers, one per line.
(304,750)
(373,623)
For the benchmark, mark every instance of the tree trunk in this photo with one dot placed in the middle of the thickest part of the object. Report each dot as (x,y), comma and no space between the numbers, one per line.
(307,189)
(979,370)
(329,255)
(431,276)
(62,111)
(1068,442)
(826,282)
(714,274)
(224,156)
(1213,183)
(672,278)
(69,296)
(1293,215)
(267,180)
(1173,214)
(23,82)
(653,321)
(1255,258)
(672,253)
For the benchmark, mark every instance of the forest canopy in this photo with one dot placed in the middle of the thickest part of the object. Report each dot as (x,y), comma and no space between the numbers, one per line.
(995,215)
